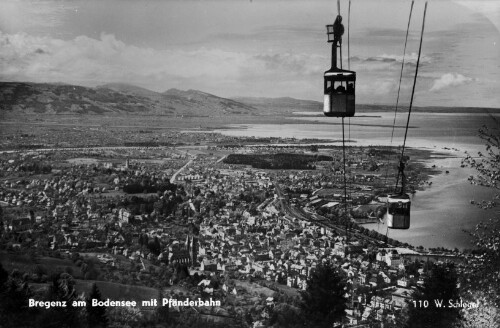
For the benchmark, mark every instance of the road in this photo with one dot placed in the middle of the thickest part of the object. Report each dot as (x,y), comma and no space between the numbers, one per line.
(221,159)
(77,149)
(100,148)
(172,179)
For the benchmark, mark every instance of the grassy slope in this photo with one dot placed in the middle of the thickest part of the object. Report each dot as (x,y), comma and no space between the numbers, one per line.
(115,291)
(24,263)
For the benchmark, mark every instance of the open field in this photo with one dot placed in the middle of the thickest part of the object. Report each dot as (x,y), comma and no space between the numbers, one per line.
(24,263)
(253,288)
(115,291)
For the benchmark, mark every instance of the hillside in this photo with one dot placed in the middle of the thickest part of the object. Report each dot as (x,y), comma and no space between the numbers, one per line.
(130,89)
(25,98)
(67,99)
(121,98)
(207,102)
(184,102)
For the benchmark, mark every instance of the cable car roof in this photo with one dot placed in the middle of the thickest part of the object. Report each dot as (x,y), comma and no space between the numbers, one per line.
(338,71)
(340,74)
(401,197)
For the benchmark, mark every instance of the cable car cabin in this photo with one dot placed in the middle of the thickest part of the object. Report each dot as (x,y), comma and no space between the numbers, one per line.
(339,88)
(398,211)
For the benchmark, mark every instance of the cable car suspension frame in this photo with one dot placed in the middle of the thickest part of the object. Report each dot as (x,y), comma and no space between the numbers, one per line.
(339,90)
(399,204)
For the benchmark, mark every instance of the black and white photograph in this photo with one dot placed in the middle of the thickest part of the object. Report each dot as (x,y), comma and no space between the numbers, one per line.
(249,163)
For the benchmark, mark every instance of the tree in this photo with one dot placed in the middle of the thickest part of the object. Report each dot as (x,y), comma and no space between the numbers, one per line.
(1,221)
(125,316)
(62,288)
(154,246)
(485,315)
(181,272)
(96,315)
(161,312)
(482,269)
(4,275)
(285,315)
(430,305)
(487,164)
(324,301)
(14,295)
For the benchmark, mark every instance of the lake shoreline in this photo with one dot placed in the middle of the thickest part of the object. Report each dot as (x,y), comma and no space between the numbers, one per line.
(441,209)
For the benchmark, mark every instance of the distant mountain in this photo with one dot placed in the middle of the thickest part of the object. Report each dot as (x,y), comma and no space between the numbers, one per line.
(129,89)
(190,102)
(206,101)
(281,105)
(113,98)
(67,99)
(120,98)
(289,105)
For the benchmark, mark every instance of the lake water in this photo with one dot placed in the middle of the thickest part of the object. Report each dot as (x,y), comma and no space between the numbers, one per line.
(442,211)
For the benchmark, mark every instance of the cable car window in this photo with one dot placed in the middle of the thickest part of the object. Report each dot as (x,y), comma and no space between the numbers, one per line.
(401,211)
(350,88)
(398,208)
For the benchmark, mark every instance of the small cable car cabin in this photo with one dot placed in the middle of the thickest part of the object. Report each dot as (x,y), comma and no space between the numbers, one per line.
(339,95)
(398,211)
(339,84)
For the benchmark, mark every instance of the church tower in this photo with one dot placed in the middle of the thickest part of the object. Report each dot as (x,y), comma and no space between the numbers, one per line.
(192,248)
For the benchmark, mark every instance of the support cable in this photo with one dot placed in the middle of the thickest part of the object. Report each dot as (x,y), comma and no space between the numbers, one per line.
(348,37)
(401,161)
(346,217)
(349,68)
(345,185)
(349,52)
(340,40)
(399,89)
(412,95)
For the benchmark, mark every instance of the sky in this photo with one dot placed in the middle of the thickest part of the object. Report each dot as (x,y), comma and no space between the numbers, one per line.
(259,48)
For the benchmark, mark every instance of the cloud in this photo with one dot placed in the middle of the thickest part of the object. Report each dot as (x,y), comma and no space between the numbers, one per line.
(387,33)
(88,61)
(36,15)
(381,87)
(449,80)
(389,58)
(272,33)
(294,64)
(388,63)
(103,59)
